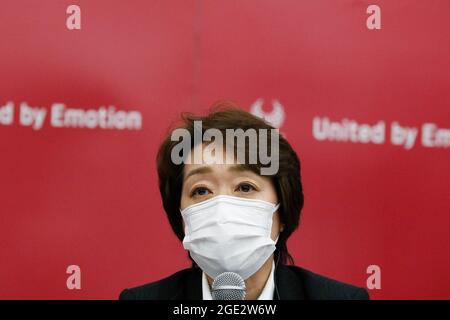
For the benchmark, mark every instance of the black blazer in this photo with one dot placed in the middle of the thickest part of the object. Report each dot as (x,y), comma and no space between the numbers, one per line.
(293,283)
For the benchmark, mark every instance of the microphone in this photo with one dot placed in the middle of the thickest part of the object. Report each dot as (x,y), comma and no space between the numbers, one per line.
(228,286)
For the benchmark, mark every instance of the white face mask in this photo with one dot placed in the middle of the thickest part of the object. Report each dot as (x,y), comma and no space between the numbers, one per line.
(228,233)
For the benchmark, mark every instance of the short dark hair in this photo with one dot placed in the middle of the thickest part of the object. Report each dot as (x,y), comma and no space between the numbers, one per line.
(287,181)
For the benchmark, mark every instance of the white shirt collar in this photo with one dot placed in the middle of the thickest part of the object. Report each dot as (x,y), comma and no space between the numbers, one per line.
(266,293)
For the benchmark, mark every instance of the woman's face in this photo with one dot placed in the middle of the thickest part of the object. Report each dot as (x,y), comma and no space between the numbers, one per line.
(204,181)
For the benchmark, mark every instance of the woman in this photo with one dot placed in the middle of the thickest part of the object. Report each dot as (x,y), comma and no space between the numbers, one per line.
(231,217)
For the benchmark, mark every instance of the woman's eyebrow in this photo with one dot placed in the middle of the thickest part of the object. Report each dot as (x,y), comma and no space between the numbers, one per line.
(201,170)
(239,168)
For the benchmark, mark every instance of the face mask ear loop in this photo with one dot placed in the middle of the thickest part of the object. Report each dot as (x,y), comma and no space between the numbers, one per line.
(276,208)
(277,262)
(275,272)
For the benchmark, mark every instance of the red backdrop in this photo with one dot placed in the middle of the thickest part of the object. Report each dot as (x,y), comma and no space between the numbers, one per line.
(89,197)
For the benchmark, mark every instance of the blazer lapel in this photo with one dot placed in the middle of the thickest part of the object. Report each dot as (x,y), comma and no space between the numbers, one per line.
(288,284)
(191,287)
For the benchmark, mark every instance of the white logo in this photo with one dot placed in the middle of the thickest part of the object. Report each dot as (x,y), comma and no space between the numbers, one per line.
(275,117)
(74,280)
(73,22)
(374,280)
(373,22)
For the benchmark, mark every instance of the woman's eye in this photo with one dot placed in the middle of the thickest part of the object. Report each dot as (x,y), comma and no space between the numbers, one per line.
(200,191)
(245,188)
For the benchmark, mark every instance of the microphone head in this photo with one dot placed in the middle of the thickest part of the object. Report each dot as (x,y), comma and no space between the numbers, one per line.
(228,286)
